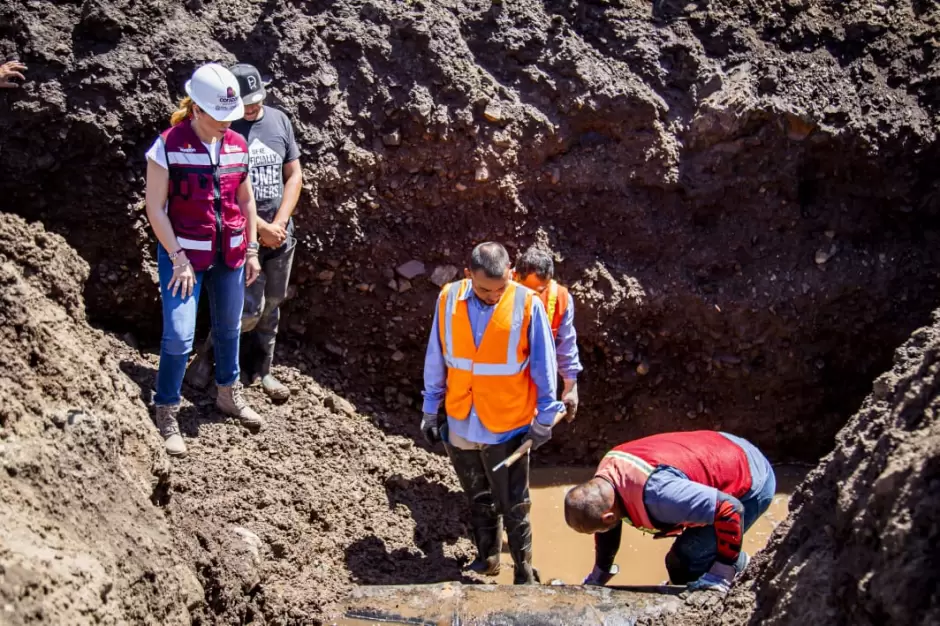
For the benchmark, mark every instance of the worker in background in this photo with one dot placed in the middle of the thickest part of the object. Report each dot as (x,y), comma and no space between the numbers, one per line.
(491,359)
(536,270)
(706,488)
(276,178)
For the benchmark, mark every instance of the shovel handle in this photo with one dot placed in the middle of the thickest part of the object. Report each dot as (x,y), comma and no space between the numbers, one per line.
(525,447)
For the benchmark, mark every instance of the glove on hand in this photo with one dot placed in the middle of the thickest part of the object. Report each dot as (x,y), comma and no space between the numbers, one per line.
(539,434)
(599,577)
(430,429)
(570,397)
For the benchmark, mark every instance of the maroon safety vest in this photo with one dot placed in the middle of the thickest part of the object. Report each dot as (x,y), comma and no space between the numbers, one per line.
(202,197)
(706,457)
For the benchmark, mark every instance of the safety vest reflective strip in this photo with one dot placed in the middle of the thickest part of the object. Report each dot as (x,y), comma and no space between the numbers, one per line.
(636,509)
(552,301)
(511,366)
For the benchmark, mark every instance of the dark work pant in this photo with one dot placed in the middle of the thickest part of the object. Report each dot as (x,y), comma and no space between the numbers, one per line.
(262,312)
(494,495)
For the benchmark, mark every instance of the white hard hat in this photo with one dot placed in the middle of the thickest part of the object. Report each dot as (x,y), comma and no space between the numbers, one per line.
(215,89)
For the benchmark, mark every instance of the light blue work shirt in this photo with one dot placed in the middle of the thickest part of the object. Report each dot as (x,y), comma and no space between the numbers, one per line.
(566,345)
(542,368)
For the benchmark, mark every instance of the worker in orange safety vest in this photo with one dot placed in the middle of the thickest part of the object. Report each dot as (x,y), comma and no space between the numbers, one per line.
(536,270)
(491,360)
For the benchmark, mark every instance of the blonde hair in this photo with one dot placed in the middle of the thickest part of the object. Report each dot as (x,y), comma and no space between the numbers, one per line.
(184,112)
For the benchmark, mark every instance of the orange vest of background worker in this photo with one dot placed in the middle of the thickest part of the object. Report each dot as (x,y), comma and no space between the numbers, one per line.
(535,269)
(491,359)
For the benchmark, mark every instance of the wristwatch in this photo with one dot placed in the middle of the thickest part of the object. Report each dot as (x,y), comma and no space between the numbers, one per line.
(253,245)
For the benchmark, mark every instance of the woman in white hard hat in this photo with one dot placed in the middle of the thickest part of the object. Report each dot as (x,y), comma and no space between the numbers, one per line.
(202,210)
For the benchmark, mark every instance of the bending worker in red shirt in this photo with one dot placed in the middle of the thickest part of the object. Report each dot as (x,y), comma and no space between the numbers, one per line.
(705,487)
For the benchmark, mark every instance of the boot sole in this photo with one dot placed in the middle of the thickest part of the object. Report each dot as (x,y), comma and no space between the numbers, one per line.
(278,396)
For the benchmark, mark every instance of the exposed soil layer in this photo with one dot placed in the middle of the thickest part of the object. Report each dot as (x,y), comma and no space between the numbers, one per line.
(81,541)
(742,195)
(743,198)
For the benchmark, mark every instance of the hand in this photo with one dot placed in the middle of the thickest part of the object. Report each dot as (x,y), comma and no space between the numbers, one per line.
(538,434)
(183,279)
(718,578)
(252,269)
(271,235)
(430,429)
(9,71)
(599,577)
(570,397)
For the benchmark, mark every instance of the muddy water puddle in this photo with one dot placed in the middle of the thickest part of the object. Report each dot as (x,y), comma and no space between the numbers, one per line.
(562,554)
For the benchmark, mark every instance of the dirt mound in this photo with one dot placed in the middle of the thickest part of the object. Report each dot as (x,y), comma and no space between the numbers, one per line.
(80,540)
(279,524)
(271,528)
(741,194)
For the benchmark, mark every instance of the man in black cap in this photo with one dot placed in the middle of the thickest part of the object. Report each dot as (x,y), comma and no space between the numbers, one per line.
(276,178)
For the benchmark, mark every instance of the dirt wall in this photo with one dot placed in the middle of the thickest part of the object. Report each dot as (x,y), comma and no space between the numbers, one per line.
(740,194)
(81,540)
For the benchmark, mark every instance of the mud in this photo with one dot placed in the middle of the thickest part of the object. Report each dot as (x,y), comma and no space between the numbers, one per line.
(741,194)
(523,605)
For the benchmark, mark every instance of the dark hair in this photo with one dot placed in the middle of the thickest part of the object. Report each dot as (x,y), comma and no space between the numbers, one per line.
(491,258)
(536,261)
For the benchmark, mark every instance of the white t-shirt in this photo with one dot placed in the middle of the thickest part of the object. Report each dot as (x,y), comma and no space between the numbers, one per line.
(157,153)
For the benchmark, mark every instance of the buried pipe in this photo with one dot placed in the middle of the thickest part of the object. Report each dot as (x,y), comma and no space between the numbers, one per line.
(456,604)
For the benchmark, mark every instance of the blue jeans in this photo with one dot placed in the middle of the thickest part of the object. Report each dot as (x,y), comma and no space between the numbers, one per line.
(695,549)
(226,288)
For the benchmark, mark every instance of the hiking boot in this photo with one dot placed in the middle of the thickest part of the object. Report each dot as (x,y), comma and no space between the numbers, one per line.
(231,402)
(170,430)
(200,370)
(275,389)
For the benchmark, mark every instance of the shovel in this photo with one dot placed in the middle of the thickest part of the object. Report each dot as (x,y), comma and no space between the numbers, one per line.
(524,448)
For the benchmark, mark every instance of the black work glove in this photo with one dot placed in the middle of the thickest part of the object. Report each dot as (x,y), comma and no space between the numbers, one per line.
(538,433)
(430,429)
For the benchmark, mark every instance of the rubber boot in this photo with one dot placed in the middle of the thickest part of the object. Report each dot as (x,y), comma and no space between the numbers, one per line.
(485,521)
(510,487)
(231,402)
(170,430)
(489,542)
(199,372)
(523,573)
(276,390)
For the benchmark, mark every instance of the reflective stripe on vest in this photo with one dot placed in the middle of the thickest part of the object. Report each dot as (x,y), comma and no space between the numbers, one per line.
(555,298)
(202,201)
(489,376)
(512,365)
(628,474)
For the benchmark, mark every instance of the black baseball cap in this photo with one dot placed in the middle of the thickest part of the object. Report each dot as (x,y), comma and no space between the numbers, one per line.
(250,82)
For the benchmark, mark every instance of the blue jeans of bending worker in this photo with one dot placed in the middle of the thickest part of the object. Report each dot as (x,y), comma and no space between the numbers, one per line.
(226,289)
(695,549)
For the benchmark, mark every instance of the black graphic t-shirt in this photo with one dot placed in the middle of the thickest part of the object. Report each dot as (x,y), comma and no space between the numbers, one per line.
(271,144)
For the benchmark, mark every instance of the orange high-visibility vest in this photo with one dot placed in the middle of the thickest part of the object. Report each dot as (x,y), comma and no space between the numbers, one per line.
(555,299)
(493,378)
